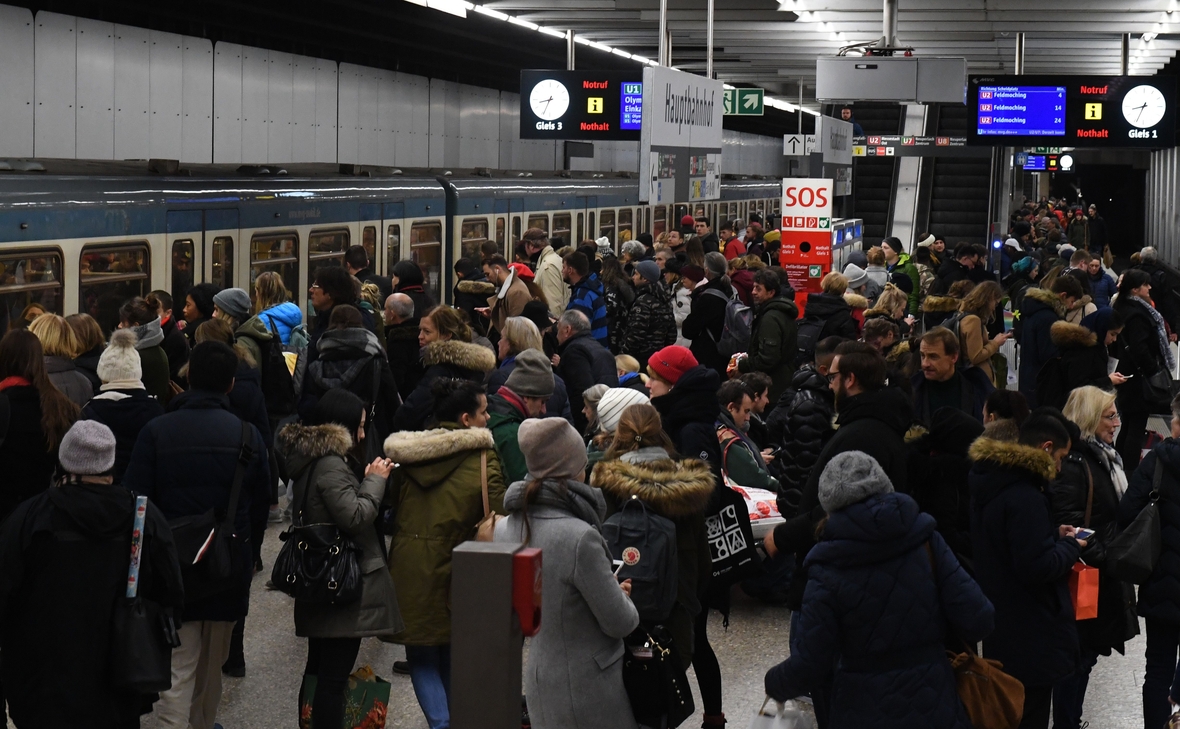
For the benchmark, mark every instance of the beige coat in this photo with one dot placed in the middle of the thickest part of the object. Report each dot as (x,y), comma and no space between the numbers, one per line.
(509,302)
(974,345)
(548,277)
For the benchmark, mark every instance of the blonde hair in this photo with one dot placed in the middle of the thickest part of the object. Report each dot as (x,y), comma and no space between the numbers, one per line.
(626,363)
(891,297)
(86,331)
(521,334)
(1085,406)
(56,337)
(875,256)
(639,427)
(980,301)
(834,283)
(269,290)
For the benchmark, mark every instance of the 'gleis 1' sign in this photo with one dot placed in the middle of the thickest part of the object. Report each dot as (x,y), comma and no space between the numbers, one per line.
(806,253)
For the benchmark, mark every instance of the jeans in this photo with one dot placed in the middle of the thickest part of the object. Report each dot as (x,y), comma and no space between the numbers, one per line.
(1037,701)
(704,663)
(1070,694)
(330,660)
(430,672)
(1163,639)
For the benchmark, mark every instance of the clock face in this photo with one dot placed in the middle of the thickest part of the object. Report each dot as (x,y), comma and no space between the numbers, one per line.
(1144,106)
(550,99)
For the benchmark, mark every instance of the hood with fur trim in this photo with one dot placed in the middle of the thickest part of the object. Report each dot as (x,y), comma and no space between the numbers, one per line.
(302,445)
(1046,297)
(1011,455)
(674,488)
(421,446)
(1070,336)
(856,301)
(1082,303)
(940,304)
(479,288)
(469,356)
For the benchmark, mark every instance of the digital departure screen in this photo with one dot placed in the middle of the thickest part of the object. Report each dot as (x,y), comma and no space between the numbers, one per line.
(581,104)
(1075,111)
(1021,111)
(1036,162)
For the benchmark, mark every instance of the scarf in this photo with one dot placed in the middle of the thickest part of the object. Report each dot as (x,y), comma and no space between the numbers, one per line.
(14,381)
(1160,330)
(574,497)
(1112,462)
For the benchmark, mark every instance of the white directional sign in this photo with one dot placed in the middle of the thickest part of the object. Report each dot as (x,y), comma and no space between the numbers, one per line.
(809,148)
(794,145)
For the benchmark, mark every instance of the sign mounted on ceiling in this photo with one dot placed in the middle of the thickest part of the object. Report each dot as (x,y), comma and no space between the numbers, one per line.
(1074,111)
(581,104)
(680,148)
(744,102)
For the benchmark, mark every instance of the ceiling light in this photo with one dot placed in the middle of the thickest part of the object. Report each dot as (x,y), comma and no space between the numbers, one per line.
(484,10)
(618,52)
(523,23)
(641,59)
(553,32)
(1148,37)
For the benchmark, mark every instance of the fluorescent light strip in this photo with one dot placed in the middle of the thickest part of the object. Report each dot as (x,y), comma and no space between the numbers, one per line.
(484,10)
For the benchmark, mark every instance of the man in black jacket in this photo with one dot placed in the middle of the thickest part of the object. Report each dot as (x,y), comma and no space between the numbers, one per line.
(705,232)
(956,269)
(706,319)
(185,462)
(581,362)
(401,343)
(356,260)
(1165,287)
(472,291)
(942,383)
(649,324)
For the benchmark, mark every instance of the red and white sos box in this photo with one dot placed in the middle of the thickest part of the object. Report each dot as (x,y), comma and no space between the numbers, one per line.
(806,253)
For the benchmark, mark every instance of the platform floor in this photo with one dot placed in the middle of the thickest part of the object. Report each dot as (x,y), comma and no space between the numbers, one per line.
(757,639)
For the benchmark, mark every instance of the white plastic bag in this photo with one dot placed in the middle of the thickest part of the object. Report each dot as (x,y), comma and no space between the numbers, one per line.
(790,715)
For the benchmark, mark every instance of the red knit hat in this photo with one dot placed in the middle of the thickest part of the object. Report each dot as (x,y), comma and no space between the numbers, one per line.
(523,272)
(671,362)
(688,220)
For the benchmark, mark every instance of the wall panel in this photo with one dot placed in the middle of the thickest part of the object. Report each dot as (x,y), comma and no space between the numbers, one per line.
(280,85)
(132,113)
(55,85)
(349,110)
(95,133)
(303,78)
(326,110)
(196,102)
(17,44)
(227,103)
(255,94)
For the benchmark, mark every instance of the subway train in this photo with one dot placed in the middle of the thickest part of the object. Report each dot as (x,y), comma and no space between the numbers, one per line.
(88,236)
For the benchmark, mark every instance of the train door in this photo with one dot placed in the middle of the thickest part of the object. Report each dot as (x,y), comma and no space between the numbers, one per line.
(502,214)
(516,213)
(370,232)
(186,242)
(392,219)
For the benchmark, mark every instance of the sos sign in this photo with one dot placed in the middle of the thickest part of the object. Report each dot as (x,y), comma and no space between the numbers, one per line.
(806,252)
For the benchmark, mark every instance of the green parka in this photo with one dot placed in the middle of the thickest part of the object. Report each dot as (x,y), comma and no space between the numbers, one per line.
(251,334)
(436,492)
(774,343)
(906,266)
(316,459)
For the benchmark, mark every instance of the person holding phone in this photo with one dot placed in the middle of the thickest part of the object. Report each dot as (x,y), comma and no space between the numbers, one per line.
(1093,460)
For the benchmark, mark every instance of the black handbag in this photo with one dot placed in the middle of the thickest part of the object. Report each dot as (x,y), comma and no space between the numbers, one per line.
(731,539)
(657,687)
(1133,554)
(317,563)
(211,556)
(1158,388)
(143,632)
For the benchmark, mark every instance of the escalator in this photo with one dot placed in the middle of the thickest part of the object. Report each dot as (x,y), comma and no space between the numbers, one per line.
(874,178)
(959,189)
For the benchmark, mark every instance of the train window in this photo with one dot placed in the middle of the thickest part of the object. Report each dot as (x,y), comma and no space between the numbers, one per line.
(561,226)
(426,251)
(223,262)
(581,226)
(474,233)
(515,227)
(625,231)
(394,234)
(539,221)
(369,241)
(776,207)
(679,212)
(500,231)
(182,270)
(110,275)
(327,247)
(279,253)
(606,225)
(647,219)
(589,230)
(660,223)
(27,279)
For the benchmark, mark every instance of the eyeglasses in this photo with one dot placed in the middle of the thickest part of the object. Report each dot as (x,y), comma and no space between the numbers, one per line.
(1112,418)
(833,375)
(317,286)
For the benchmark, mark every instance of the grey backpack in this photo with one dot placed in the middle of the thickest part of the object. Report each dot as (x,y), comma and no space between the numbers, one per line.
(643,546)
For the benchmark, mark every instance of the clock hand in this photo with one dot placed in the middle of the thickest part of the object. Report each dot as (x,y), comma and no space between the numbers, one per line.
(1140,108)
(547,104)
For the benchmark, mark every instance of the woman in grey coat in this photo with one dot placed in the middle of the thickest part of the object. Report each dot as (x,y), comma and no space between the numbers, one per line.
(319,457)
(574,679)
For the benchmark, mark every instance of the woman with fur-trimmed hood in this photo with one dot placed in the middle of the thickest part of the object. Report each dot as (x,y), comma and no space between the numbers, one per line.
(640,463)
(1084,356)
(333,487)
(437,495)
(446,351)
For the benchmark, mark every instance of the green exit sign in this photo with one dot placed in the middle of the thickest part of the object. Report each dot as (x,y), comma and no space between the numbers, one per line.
(743,102)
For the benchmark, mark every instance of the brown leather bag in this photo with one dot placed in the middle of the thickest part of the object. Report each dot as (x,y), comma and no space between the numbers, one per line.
(485,530)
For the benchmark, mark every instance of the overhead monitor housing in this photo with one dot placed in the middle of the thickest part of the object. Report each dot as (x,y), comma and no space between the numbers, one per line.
(891,78)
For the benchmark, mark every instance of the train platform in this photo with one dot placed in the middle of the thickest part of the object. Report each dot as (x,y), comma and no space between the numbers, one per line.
(757,638)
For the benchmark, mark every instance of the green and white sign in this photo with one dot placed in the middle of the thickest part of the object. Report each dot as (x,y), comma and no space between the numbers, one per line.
(744,102)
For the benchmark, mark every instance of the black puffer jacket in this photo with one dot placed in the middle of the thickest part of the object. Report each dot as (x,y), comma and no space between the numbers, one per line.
(689,412)
(938,469)
(706,322)
(353,359)
(87,364)
(800,425)
(451,358)
(649,324)
(585,363)
(470,294)
(125,412)
(1159,598)
(619,300)
(1083,360)
(937,309)
(835,313)
(1116,622)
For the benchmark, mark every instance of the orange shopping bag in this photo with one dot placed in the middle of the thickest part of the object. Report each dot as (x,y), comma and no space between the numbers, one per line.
(1083,590)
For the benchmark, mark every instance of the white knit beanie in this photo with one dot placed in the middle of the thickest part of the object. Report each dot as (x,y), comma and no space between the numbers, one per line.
(119,367)
(614,401)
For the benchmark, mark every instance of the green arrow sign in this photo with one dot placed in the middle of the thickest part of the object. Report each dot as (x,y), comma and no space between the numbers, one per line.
(750,102)
(728,101)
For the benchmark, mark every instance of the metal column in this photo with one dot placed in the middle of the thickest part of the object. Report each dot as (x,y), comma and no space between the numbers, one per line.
(1020,54)
(1125,56)
(570,51)
(889,24)
(799,111)
(709,41)
(664,52)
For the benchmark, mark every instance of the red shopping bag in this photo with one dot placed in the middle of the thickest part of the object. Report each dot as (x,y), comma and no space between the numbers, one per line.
(1083,590)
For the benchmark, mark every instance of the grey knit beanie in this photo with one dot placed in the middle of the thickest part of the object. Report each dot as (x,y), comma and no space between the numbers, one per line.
(849,478)
(715,265)
(552,449)
(234,302)
(88,449)
(856,276)
(649,270)
(532,376)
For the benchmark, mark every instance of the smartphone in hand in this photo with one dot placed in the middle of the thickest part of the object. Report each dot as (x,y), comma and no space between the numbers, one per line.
(1083,533)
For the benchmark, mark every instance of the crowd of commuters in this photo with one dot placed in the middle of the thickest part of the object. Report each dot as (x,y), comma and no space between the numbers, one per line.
(925,504)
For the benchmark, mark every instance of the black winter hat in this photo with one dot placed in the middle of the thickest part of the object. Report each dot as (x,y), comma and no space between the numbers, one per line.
(902,281)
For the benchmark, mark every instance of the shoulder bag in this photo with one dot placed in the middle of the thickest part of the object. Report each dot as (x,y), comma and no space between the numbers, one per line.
(1132,555)
(211,555)
(485,530)
(317,563)
(143,633)
(657,687)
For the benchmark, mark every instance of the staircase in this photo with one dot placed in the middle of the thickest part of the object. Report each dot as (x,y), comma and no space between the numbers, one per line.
(959,193)
(873,177)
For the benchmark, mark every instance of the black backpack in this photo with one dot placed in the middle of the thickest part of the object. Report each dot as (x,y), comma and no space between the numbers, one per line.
(278,386)
(643,546)
(1051,388)
(808,334)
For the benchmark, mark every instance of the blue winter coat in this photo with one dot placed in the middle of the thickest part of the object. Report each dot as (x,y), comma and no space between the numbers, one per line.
(559,402)
(184,461)
(1159,598)
(876,608)
(283,318)
(587,297)
(125,412)
(1102,288)
(1021,564)
(1038,310)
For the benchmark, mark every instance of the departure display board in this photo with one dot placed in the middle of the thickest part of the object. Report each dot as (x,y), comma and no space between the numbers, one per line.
(1079,111)
(584,105)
